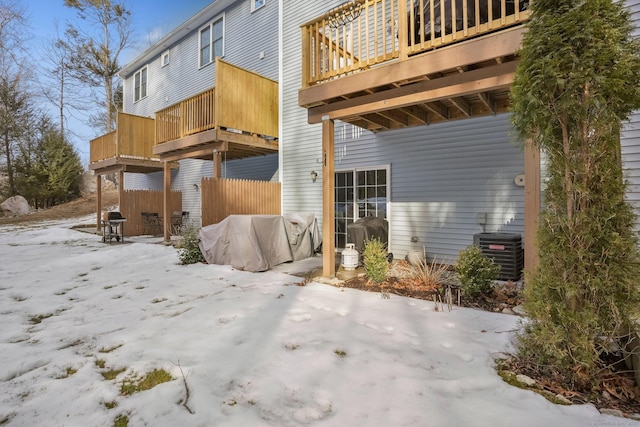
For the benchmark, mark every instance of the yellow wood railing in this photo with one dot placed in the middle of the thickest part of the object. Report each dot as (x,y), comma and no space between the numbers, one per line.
(240,100)
(388,30)
(133,138)
(102,147)
(187,117)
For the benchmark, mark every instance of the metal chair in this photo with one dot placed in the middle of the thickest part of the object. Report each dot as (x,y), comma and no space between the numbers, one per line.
(152,224)
(178,220)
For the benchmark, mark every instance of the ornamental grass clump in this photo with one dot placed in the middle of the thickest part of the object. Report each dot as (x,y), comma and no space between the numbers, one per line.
(374,258)
(476,271)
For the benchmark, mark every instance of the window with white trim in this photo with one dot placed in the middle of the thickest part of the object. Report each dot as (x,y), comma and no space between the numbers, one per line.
(257,4)
(140,84)
(164,59)
(211,41)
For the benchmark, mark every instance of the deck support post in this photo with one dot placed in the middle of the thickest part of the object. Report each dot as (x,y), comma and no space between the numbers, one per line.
(120,189)
(328,200)
(98,202)
(531,205)
(217,164)
(166,198)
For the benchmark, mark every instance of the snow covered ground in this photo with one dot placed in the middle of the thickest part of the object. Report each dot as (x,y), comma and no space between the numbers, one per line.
(256,348)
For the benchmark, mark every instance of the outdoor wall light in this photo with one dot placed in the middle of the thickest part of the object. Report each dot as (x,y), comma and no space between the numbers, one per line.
(195,187)
(314,176)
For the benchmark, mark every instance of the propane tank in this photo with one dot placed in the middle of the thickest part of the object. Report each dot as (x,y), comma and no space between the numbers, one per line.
(350,257)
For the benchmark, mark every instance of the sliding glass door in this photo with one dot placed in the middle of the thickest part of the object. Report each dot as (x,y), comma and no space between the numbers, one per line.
(359,193)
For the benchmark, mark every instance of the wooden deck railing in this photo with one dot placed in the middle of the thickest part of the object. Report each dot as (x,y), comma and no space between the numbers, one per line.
(388,30)
(102,147)
(240,100)
(187,117)
(133,138)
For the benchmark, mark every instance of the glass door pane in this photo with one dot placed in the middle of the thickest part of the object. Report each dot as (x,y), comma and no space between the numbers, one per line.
(343,206)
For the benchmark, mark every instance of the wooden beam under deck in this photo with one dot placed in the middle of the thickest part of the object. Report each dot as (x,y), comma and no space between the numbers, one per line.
(127,164)
(495,77)
(198,152)
(235,145)
(488,48)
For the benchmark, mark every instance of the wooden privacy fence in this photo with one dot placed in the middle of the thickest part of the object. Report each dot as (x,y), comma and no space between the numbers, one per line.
(224,197)
(134,202)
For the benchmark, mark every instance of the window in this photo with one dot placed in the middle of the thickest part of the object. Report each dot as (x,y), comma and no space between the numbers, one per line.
(212,41)
(257,4)
(164,59)
(140,85)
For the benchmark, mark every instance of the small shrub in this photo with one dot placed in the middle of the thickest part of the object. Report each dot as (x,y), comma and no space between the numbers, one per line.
(375,261)
(190,251)
(476,271)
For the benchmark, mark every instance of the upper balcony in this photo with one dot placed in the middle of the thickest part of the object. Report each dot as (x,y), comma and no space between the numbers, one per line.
(127,149)
(387,64)
(238,116)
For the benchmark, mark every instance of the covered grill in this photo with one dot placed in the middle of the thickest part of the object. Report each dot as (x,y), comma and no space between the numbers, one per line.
(113,226)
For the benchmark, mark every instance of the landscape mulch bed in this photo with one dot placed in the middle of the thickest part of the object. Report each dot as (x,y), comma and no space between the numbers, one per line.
(617,389)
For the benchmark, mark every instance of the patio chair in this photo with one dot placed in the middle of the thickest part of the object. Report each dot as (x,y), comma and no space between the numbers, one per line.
(151,223)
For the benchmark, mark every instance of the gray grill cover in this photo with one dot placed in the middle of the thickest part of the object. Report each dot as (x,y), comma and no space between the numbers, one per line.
(366,228)
(259,242)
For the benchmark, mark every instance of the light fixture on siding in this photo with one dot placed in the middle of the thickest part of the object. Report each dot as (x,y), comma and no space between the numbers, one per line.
(344,14)
(314,176)
(196,187)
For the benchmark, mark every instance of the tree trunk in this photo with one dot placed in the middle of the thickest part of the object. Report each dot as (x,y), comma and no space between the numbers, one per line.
(7,149)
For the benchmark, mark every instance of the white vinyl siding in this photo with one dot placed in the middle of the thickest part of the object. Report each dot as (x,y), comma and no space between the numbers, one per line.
(630,135)
(184,77)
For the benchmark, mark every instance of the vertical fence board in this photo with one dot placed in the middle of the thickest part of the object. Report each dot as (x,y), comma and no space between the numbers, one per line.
(224,197)
(134,202)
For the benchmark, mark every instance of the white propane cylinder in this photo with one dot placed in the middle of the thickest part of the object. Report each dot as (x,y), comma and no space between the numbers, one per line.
(350,257)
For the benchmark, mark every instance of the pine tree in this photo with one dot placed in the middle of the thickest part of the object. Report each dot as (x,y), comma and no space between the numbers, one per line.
(49,171)
(577,82)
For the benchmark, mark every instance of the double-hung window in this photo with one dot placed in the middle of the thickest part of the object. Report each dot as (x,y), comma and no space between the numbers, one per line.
(257,4)
(140,84)
(212,41)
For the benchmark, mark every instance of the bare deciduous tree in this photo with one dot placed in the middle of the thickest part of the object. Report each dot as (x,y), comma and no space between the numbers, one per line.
(95,55)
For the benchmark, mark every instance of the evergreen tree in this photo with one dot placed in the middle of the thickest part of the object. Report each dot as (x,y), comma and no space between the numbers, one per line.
(578,80)
(49,171)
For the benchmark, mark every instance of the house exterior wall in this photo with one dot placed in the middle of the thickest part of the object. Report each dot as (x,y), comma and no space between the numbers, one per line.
(255,50)
(442,175)
(630,135)
(183,78)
